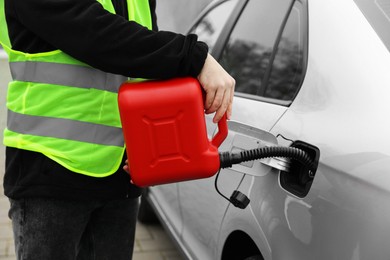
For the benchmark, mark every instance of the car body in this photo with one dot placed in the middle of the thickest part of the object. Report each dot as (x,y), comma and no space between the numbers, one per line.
(312,71)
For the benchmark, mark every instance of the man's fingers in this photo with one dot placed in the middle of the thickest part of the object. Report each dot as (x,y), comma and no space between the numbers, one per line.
(219,88)
(230,107)
(222,103)
(223,107)
(209,100)
(216,102)
(126,166)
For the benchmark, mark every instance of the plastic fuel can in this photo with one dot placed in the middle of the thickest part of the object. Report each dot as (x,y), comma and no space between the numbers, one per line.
(165,132)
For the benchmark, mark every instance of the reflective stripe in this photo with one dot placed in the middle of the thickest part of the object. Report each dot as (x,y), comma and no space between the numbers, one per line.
(66,75)
(65,129)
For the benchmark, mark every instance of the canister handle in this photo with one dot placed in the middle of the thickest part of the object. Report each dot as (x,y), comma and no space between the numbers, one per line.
(222,132)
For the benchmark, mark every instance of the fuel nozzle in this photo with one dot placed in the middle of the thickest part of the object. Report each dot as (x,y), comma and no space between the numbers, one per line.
(227,159)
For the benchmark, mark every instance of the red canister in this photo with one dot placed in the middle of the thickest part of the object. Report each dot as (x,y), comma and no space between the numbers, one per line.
(165,132)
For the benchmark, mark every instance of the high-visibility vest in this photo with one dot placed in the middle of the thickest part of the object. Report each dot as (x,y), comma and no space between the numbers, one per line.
(65,109)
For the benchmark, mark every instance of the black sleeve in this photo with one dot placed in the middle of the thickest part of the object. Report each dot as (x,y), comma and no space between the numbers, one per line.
(84,30)
(152,4)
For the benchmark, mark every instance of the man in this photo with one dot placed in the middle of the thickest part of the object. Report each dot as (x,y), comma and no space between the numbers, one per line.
(70,197)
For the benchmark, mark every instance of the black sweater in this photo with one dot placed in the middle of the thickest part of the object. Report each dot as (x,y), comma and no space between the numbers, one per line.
(84,30)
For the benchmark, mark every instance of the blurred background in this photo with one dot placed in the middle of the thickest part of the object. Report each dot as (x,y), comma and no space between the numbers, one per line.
(177,15)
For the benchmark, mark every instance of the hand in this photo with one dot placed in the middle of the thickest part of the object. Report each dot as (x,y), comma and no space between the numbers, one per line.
(219,88)
(126,167)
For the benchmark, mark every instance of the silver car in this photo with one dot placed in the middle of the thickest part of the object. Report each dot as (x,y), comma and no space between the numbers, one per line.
(313,74)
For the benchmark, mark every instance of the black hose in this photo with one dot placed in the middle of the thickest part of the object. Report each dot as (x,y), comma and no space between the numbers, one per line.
(227,159)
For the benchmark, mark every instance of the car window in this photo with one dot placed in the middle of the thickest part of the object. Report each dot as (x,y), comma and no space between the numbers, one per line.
(264,62)
(287,70)
(211,25)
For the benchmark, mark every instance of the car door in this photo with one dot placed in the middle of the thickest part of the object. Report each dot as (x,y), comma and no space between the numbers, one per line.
(336,219)
(263,49)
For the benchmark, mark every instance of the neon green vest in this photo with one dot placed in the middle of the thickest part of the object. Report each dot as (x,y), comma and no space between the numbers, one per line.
(65,109)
